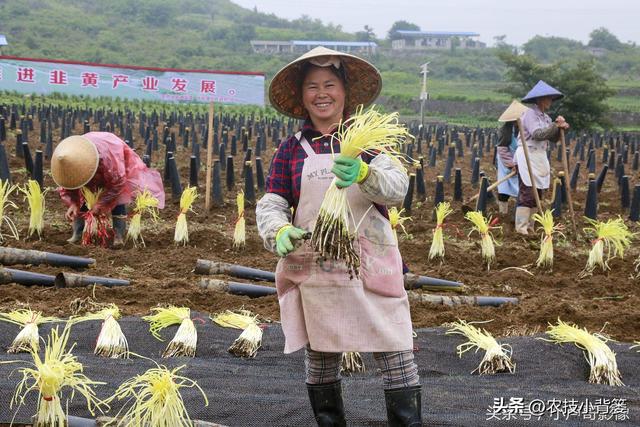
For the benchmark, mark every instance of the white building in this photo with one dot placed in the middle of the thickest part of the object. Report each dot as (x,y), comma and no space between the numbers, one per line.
(302,46)
(423,40)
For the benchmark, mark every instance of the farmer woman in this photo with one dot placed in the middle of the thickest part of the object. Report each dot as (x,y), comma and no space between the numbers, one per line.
(101,161)
(322,309)
(506,164)
(538,130)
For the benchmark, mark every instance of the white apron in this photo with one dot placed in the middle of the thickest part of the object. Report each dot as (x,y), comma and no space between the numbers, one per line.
(539,164)
(319,304)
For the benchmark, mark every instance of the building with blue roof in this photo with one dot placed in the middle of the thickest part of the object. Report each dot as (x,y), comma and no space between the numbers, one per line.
(424,40)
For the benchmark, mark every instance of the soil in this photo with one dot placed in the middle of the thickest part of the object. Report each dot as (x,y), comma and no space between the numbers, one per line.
(162,272)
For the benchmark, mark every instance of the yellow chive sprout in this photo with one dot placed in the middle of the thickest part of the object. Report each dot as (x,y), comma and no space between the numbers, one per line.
(28,339)
(111,340)
(186,338)
(181,235)
(35,196)
(145,203)
(612,235)
(239,230)
(351,362)
(250,340)
(437,245)
(397,221)
(5,191)
(545,258)
(487,242)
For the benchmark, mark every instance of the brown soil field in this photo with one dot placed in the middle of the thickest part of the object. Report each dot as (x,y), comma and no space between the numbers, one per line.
(162,272)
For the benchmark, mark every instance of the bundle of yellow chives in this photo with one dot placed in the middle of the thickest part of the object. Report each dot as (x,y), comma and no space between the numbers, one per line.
(497,357)
(186,338)
(50,375)
(28,338)
(602,360)
(397,220)
(154,399)
(250,340)
(189,195)
(351,362)
(482,226)
(145,202)
(545,258)
(111,341)
(5,191)
(612,235)
(239,231)
(95,227)
(437,245)
(365,132)
(35,197)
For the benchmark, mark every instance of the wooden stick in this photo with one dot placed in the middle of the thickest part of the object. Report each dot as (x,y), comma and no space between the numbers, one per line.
(495,184)
(526,157)
(207,196)
(565,166)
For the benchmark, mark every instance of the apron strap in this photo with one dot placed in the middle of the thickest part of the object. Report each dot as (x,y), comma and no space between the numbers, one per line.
(307,148)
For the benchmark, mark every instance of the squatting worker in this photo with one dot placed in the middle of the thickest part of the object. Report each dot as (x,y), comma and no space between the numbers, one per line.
(538,130)
(101,160)
(321,309)
(505,162)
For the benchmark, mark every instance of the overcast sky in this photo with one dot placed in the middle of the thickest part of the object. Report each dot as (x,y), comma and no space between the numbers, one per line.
(519,20)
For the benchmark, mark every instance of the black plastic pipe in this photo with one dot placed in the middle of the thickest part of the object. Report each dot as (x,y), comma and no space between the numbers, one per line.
(71,280)
(12,256)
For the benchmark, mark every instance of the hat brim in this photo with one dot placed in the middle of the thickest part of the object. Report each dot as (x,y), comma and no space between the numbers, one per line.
(532,100)
(74,162)
(513,112)
(364,83)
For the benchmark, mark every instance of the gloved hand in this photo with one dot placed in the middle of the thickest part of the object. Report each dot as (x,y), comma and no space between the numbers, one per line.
(286,239)
(348,171)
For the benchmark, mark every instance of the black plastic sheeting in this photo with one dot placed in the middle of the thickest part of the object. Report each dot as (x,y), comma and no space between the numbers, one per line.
(270,391)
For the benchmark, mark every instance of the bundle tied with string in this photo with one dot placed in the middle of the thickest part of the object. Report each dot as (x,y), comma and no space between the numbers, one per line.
(612,235)
(96,227)
(28,339)
(35,196)
(145,203)
(154,399)
(111,341)
(397,221)
(366,132)
(250,340)
(436,251)
(239,237)
(5,192)
(59,369)
(181,235)
(545,258)
(186,338)
(487,243)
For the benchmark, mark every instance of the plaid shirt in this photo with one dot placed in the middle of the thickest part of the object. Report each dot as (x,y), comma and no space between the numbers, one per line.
(285,173)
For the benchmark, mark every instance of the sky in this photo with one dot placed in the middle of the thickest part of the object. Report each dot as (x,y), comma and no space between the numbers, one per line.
(519,20)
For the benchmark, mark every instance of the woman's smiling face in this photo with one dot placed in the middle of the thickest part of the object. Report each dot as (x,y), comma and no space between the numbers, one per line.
(323,96)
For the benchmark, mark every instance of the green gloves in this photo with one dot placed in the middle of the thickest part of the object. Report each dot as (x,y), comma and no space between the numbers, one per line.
(286,238)
(348,171)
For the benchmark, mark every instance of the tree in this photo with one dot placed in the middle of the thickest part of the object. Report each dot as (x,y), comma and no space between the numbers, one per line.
(401,25)
(365,36)
(603,38)
(584,105)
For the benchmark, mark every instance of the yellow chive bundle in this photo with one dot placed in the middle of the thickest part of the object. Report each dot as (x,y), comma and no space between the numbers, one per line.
(35,197)
(154,399)
(612,235)
(497,357)
(111,341)
(5,191)
(145,203)
(189,195)
(481,225)
(58,369)
(92,224)
(351,362)
(250,340)
(366,132)
(443,210)
(239,231)
(186,338)
(602,360)
(28,338)
(397,220)
(545,258)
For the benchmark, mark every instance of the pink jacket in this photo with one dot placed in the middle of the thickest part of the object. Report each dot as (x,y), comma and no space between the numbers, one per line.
(120,174)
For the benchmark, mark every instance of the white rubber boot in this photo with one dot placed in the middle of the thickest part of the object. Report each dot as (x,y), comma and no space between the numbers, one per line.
(503,207)
(522,219)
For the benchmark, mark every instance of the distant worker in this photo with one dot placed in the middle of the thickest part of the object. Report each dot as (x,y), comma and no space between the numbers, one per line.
(538,130)
(101,161)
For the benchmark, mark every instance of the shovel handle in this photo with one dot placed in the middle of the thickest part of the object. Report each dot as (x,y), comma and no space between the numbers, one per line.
(495,184)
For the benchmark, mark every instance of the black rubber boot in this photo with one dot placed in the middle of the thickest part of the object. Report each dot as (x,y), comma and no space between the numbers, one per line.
(326,401)
(404,406)
(119,227)
(78,227)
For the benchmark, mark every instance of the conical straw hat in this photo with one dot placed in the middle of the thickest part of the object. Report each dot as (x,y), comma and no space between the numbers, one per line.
(74,162)
(513,112)
(542,89)
(363,82)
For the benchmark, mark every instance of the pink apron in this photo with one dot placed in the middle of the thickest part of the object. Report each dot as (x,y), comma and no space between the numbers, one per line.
(319,304)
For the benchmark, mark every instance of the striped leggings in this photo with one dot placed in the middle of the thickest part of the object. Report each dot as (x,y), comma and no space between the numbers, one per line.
(398,368)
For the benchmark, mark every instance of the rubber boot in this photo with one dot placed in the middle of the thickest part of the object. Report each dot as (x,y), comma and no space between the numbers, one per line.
(119,227)
(522,219)
(78,227)
(503,207)
(404,406)
(326,401)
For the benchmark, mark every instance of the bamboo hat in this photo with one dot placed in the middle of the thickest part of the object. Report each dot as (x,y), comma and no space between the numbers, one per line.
(364,82)
(513,112)
(74,162)
(542,89)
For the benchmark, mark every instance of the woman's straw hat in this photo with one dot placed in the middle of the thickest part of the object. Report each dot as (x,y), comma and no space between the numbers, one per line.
(363,81)
(74,162)
(513,112)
